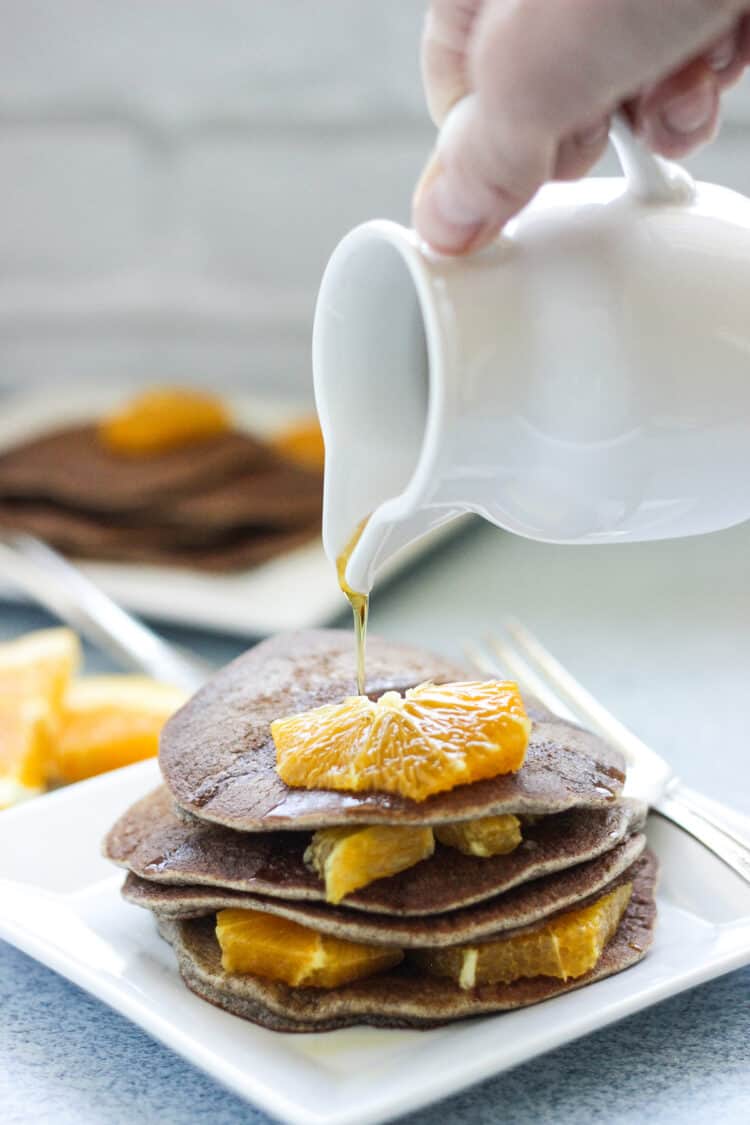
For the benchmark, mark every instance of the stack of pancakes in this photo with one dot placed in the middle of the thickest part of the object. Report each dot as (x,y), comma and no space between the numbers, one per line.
(221,503)
(225,831)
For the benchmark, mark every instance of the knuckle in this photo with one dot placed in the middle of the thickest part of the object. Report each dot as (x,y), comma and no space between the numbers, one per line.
(532,56)
(504,162)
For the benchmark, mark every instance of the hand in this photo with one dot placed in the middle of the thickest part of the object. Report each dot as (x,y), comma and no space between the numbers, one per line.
(547,75)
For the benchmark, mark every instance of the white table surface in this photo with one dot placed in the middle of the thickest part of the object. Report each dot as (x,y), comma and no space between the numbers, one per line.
(661,633)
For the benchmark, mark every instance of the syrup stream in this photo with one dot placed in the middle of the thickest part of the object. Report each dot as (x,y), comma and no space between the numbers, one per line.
(359,603)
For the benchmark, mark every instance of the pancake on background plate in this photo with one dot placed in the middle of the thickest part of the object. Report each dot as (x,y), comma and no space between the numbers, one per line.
(307,909)
(85,536)
(73,467)
(179,486)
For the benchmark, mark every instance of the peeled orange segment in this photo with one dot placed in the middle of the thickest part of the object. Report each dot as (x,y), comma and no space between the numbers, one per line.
(35,671)
(350,858)
(302,443)
(111,721)
(567,946)
(39,665)
(267,946)
(486,836)
(435,737)
(25,731)
(163,419)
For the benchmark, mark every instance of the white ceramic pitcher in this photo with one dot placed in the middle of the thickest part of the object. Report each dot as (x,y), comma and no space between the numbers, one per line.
(586,379)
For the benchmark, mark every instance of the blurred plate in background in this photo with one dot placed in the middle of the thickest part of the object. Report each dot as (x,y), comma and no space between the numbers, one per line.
(294,590)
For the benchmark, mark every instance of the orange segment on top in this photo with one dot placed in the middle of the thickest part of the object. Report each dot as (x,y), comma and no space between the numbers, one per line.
(433,738)
(162,419)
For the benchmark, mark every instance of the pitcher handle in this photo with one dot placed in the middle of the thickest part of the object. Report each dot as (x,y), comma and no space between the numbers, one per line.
(649,177)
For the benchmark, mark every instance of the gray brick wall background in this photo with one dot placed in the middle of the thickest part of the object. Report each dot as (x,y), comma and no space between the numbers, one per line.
(174,173)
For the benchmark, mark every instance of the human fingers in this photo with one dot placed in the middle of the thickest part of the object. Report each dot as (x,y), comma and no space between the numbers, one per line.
(445,40)
(540,71)
(682,112)
(578,153)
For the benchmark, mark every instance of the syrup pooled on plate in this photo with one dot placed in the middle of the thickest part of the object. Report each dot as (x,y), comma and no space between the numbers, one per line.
(359,603)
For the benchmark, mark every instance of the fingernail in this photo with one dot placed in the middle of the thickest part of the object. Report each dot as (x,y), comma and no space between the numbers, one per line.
(452,207)
(687,113)
(444,219)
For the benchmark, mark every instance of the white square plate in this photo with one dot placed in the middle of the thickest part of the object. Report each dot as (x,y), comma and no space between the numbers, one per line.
(59,902)
(296,590)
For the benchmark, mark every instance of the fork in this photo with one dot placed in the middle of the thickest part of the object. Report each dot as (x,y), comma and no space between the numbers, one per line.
(63,589)
(723,831)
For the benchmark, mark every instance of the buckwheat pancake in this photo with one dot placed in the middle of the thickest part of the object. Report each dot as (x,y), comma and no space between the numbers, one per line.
(219,761)
(155,844)
(522,906)
(402,997)
(86,537)
(73,467)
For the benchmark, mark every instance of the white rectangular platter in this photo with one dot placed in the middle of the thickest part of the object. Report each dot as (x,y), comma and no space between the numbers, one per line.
(60,903)
(297,590)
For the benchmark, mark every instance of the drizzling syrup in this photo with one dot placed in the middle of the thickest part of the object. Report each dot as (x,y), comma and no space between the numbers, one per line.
(359,603)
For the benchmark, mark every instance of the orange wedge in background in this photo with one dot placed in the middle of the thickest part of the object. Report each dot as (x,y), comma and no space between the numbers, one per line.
(302,443)
(162,419)
(35,671)
(39,665)
(111,721)
(25,746)
(431,739)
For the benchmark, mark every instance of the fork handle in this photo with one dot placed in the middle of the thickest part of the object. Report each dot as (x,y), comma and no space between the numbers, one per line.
(731,822)
(728,848)
(64,590)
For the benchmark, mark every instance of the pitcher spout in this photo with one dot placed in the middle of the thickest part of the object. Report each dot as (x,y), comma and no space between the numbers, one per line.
(377,396)
(389,531)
